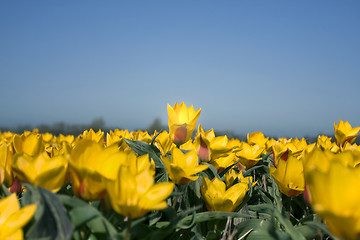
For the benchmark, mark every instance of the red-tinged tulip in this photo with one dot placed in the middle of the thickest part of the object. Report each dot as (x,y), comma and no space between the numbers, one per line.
(182,122)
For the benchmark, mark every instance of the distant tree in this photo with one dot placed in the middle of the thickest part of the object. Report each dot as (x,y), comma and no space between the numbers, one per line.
(97,123)
(156,125)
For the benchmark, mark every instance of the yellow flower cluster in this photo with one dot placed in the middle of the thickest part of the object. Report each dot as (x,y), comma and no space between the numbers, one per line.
(96,168)
(100,166)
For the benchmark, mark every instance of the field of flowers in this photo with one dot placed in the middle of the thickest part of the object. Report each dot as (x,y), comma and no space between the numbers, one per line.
(168,185)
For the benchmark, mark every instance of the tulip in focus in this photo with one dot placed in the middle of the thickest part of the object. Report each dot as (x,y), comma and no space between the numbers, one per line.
(288,174)
(182,122)
(209,147)
(218,198)
(182,167)
(12,218)
(163,142)
(135,194)
(249,155)
(231,176)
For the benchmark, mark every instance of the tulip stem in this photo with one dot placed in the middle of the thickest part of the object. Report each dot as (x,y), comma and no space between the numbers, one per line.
(128,230)
(288,209)
(175,201)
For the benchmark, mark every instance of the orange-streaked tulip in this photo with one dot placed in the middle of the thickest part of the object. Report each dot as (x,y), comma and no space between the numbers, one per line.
(209,147)
(182,122)
(288,174)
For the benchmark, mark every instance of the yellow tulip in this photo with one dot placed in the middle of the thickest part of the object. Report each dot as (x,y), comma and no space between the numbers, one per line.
(30,143)
(345,133)
(249,155)
(140,136)
(257,138)
(163,142)
(47,137)
(320,160)
(210,147)
(189,145)
(6,159)
(68,138)
(218,198)
(182,122)
(134,194)
(117,137)
(224,162)
(288,174)
(333,195)
(269,144)
(281,150)
(113,159)
(6,136)
(182,167)
(86,160)
(324,142)
(12,218)
(231,176)
(41,170)
(93,136)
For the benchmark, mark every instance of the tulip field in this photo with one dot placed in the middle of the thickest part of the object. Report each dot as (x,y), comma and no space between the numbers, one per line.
(180,183)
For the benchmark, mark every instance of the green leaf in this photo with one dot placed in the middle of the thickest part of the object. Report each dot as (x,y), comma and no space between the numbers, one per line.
(142,148)
(81,215)
(258,229)
(5,190)
(94,219)
(322,227)
(211,172)
(309,232)
(282,220)
(138,147)
(52,223)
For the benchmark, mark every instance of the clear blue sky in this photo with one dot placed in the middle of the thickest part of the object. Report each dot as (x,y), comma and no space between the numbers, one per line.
(281,67)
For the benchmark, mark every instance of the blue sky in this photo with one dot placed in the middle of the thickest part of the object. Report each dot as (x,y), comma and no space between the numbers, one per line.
(286,68)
